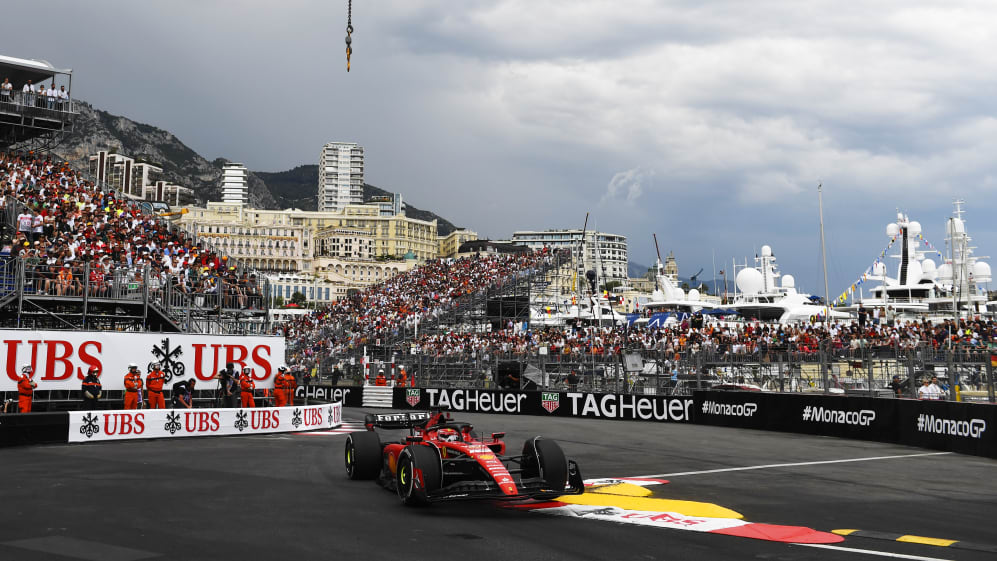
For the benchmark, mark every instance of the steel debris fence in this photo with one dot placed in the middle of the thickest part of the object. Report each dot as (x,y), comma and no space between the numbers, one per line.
(861,371)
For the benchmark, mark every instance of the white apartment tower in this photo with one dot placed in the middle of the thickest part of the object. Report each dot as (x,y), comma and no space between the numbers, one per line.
(340,176)
(235,184)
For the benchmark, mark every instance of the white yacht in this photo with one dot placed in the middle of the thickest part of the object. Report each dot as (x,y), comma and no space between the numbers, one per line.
(762,298)
(669,303)
(921,288)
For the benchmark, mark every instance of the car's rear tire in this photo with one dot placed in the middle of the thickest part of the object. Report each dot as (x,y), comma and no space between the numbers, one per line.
(363,455)
(413,460)
(545,460)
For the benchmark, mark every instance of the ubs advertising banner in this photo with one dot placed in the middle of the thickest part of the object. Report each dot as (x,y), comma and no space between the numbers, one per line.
(91,426)
(554,403)
(61,359)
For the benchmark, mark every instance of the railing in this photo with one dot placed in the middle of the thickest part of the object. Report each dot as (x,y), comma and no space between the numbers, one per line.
(37,105)
(220,310)
(227,308)
(668,373)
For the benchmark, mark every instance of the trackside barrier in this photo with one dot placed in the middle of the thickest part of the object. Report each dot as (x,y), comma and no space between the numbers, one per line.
(33,428)
(90,426)
(967,428)
(551,404)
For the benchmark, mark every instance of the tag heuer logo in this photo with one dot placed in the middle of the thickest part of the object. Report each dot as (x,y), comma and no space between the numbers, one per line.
(413,397)
(550,401)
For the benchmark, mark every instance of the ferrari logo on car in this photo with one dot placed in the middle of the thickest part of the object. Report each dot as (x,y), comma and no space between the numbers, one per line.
(550,401)
(413,397)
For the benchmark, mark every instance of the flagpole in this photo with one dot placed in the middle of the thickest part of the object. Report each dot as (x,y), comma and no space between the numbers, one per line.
(823,254)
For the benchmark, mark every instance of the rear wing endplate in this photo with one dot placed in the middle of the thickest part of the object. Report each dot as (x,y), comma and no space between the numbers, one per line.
(397,420)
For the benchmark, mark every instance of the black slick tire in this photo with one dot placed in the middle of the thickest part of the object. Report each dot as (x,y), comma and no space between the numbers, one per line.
(545,460)
(363,455)
(419,474)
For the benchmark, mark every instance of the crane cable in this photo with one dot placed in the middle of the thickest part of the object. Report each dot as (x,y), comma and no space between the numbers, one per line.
(349,31)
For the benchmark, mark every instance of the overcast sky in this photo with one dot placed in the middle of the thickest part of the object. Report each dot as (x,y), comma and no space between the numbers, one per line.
(708,123)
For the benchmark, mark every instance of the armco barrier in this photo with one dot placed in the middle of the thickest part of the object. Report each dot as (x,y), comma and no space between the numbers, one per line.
(967,428)
(552,404)
(90,426)
(33,428)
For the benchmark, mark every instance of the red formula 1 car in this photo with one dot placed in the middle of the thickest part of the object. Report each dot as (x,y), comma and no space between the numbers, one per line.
(442,459)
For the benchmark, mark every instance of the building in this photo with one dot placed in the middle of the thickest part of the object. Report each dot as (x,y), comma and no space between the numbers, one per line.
(143,175)
(389,205)
(314,289)
(344,243)
(137,180)
(112,170)
(301,241)
(450,243)
(168,193)
(340,176)
(235,184)
(605,253)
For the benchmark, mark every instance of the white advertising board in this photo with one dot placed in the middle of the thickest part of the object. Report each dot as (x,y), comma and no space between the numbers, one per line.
(61,359)
(92,426)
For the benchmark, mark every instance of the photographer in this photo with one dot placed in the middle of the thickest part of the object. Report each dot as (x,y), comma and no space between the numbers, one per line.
(228,381)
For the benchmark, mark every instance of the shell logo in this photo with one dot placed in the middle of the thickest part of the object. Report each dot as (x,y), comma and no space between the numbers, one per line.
(486,457)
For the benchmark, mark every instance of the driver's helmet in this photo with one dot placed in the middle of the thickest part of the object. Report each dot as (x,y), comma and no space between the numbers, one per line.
(448,435)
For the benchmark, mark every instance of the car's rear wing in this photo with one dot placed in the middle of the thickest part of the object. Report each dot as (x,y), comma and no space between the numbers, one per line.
(406,420)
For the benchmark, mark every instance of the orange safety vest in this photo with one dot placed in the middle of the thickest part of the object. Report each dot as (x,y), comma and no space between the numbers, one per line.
(155,381)
(133,382)
(25,385)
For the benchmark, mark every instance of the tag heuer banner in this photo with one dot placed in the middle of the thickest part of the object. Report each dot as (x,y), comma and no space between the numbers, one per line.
(90,426)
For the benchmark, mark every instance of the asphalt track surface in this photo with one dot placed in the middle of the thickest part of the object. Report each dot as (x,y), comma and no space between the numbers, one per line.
(287,497)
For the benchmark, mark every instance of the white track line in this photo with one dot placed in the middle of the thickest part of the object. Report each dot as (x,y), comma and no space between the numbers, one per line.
(873,552)
(769,466)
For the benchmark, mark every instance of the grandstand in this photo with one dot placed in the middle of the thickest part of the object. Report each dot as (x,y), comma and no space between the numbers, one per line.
(76,254)
(30,120)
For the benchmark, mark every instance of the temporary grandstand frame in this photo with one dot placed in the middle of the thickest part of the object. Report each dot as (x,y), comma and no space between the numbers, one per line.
(30,121)
(130,300)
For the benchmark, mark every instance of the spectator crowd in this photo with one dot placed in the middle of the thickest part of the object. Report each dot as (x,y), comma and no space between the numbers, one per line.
(402,303)
(72,233)
(35,95)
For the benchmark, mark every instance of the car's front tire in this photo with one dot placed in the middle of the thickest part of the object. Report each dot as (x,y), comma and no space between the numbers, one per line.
(363,455)
(544,459)
(419,473)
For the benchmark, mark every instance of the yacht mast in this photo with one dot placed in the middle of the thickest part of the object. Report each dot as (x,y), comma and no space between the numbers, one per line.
(823,253)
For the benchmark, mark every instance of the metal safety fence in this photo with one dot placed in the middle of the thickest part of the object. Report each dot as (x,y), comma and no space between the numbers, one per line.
(965,374)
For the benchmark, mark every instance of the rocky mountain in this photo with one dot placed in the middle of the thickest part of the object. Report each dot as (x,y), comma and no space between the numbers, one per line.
(96,130)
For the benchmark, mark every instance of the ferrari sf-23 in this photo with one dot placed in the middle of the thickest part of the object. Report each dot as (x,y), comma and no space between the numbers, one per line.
(442,459)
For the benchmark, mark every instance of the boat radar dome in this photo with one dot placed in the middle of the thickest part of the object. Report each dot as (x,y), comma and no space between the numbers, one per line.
(788,281)
(928,266)
(914,272)
(981,272)
(945,272)
(914,228)
(694,295)
(749,281)
(766,251)
(892,230)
